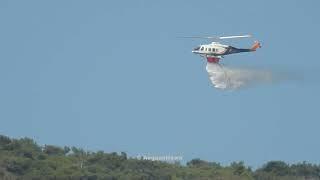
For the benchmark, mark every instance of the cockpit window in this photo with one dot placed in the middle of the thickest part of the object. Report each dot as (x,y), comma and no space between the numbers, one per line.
(202,48)
(197,48)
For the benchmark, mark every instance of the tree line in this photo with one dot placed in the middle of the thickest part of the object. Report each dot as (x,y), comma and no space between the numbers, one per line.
(23,159)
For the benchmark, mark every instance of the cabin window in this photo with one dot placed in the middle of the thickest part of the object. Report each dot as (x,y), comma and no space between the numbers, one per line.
(209,49)
(213,49)
(206,49)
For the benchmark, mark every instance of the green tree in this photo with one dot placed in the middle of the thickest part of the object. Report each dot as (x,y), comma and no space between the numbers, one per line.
(278,168)
(53,150)
(238,167)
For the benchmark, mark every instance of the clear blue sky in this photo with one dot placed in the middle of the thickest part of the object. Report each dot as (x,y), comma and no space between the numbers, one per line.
(112,76)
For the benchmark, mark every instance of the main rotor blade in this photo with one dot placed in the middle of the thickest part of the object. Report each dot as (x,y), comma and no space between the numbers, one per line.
(233,37)
(200,37)
(217,37)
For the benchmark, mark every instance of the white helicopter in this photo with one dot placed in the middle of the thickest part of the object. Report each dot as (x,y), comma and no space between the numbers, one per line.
(214,51)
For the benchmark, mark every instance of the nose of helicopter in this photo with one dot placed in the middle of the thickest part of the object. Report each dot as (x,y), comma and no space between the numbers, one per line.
(196,49)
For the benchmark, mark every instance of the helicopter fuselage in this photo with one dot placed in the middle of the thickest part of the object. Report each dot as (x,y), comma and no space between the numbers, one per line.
(214,51)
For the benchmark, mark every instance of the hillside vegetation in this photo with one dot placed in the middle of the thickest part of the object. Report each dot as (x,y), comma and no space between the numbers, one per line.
(24,159)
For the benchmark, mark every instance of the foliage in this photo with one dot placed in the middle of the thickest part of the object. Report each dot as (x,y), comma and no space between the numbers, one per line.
(24,159)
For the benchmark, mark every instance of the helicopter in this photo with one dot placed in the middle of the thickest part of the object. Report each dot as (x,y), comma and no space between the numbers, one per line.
(214,51)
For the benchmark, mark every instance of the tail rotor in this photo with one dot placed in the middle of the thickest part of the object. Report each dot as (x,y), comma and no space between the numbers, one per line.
(255,46)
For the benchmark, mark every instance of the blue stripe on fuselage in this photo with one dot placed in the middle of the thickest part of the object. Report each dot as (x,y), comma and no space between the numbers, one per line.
(233,50)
